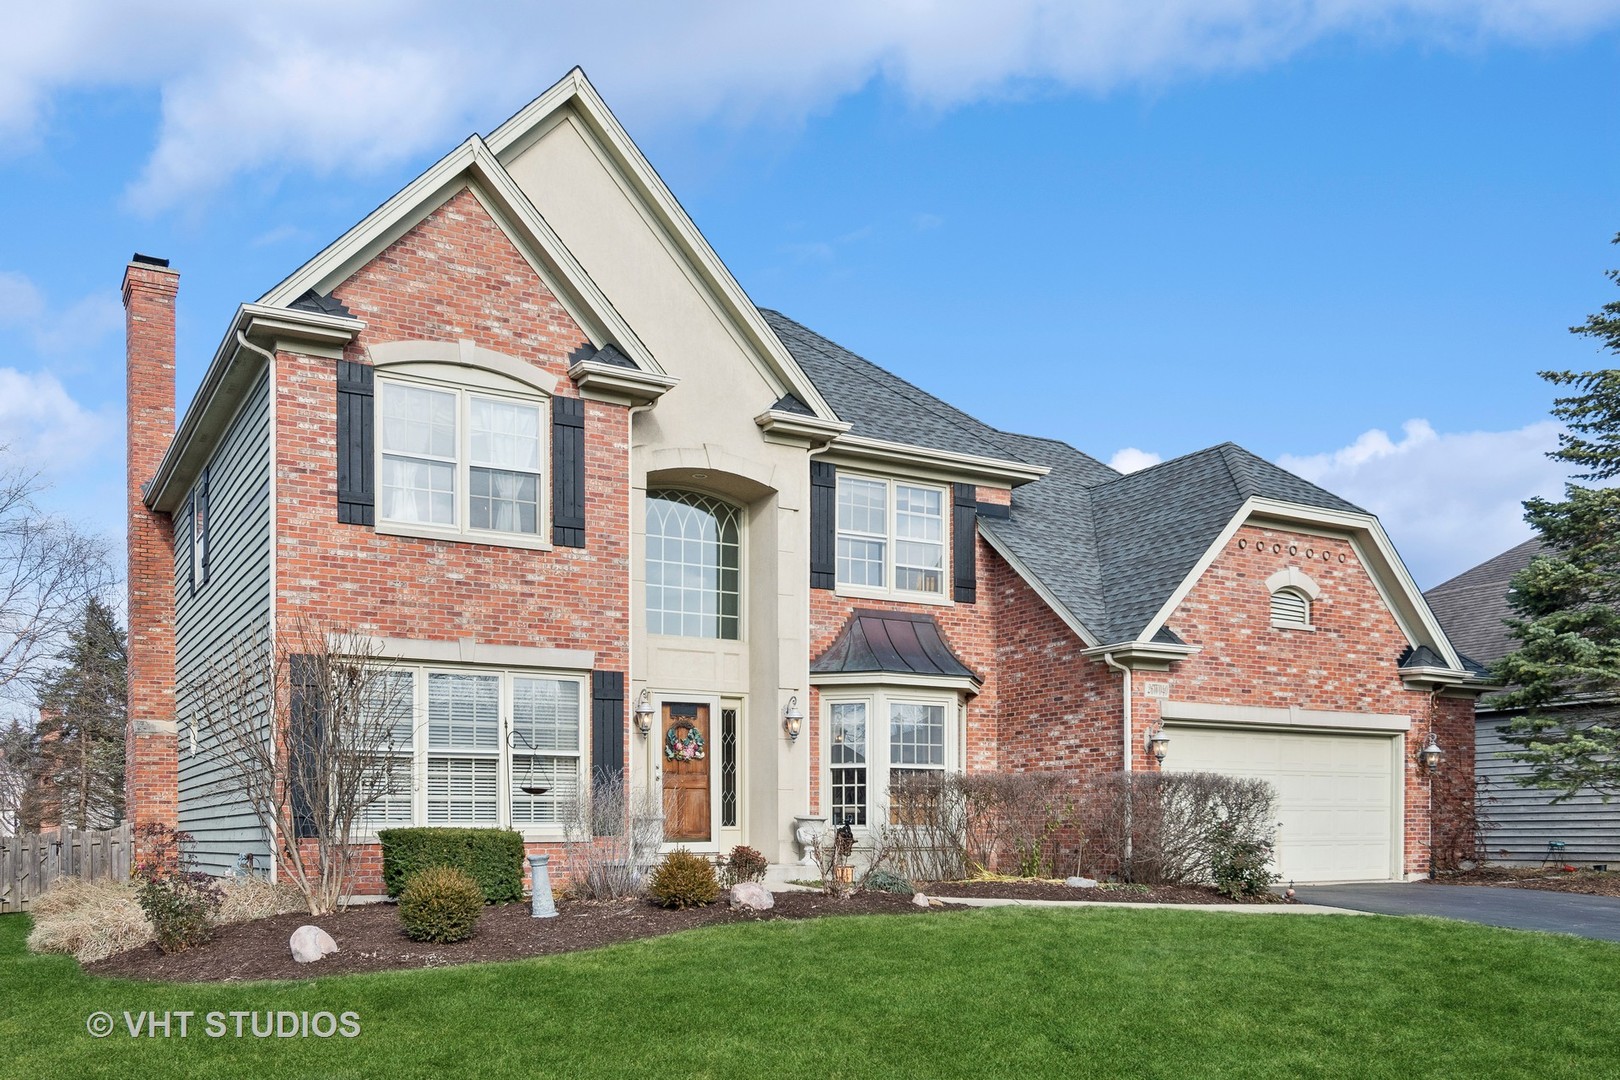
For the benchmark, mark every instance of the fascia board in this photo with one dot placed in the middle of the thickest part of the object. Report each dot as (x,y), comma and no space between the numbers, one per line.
(896,678)
(219,391)
(610,383)
(1019,567)
(992,472)
(575,91)
(799,429)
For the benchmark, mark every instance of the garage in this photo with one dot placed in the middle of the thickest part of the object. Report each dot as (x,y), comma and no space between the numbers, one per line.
(1336,793)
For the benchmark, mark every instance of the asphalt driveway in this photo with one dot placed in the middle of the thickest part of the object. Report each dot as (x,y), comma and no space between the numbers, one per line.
(1518,909)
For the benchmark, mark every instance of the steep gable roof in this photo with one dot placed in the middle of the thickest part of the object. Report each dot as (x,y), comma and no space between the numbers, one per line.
(1472,605)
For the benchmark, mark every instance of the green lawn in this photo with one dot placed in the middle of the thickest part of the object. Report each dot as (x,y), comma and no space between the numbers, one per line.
(1005,992)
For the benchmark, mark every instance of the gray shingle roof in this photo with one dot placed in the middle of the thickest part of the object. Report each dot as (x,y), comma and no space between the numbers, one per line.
(1110,549)
(1472,605)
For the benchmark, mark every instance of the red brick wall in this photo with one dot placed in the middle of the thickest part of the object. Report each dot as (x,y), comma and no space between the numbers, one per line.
(969,629)
(151,779)
(1347,663)
(454,276)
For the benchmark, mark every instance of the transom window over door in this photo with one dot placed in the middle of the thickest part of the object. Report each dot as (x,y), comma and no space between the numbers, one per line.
(693,559)
(459,460)
(891,535)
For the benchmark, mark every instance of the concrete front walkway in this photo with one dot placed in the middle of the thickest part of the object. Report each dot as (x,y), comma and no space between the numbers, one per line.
(1517,909)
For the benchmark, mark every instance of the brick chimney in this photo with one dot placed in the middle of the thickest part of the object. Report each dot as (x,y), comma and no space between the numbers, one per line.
(151,778)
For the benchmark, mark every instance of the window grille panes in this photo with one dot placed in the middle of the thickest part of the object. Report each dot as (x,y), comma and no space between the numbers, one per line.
(847,755)
(693,560)
(917,735)
(919,545)
(462,789)
(1290,607)
(728,767)
(863,530)
(503,481)
(418,438)
(464,711)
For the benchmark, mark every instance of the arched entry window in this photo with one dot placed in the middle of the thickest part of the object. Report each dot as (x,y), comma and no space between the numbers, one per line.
(692,565)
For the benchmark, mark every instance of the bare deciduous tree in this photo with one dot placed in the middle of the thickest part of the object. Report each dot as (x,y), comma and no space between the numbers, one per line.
(305,727)
(49,570)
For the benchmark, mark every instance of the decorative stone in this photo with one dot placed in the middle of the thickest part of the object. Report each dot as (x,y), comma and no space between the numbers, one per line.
(752,895)
(920,899)
(310,943)
(1080,882)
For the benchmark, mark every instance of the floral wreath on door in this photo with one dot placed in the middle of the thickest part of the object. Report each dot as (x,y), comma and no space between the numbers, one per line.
(683,748)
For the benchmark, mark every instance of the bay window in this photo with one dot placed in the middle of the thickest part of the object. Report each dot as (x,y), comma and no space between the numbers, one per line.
(877,737)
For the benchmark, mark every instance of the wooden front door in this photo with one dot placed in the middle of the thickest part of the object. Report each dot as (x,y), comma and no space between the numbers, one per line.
(686,773)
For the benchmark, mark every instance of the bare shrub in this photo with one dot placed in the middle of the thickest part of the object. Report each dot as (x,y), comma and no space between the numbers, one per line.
(612,833)
(90,920)
(1160,828)
(944,827)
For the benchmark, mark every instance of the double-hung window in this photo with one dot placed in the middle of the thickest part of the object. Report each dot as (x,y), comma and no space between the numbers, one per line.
(913,733)
(460,461)
(476,746)
(891,536)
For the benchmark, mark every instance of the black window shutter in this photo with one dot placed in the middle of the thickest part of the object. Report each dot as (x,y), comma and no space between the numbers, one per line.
(964,530)
(303,736)
(200,535)
(356,428)
(823,525)
(568,472)
(607,725)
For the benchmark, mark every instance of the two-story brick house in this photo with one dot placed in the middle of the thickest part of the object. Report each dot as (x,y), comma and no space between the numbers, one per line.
(522,427)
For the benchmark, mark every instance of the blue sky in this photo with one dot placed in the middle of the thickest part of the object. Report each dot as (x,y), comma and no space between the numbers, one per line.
(1344,235)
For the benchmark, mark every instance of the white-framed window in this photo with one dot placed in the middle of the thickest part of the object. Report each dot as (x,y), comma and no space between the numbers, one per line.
(482,746)
(875,737)
(460,461)
(694,554)
(891,536)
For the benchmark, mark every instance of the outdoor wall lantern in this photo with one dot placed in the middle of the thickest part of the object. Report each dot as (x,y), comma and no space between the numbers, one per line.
(644,713)
(792,718)
(1431,755)
(1157,743)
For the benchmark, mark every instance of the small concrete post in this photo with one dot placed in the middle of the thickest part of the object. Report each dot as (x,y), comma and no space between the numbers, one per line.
(541,906)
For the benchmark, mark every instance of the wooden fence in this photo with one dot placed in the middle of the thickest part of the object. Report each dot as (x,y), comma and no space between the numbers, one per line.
(29,863)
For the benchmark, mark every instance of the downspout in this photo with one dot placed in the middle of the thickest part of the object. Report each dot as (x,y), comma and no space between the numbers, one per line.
(274,869)
(1125,712)
(1434,698)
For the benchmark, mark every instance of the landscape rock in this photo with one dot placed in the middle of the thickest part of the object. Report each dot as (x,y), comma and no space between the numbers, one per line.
(752,895)
(920,899)
(1080,882)
(310,943)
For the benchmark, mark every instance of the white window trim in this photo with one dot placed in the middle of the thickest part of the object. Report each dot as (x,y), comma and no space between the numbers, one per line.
(742,568)
(945,596)
(484,385)
(878,766)
(504,752)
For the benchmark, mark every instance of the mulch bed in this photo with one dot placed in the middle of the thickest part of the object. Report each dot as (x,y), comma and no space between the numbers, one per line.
(369,937)
(1588,882)
(1056,890)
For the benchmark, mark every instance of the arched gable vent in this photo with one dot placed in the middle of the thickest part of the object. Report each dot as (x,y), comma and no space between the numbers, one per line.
(1292,594)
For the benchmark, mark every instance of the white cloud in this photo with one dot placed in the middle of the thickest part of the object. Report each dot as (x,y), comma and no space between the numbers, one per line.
(76,329)
(41,424)
(346,88)
(20,301)
(1448,500)
(1130,459)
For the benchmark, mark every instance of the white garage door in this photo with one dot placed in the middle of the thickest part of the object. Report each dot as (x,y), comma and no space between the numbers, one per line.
(1335,794)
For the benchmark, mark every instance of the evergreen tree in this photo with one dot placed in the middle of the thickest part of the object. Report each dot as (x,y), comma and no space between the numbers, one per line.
(1568,599)
(82,708)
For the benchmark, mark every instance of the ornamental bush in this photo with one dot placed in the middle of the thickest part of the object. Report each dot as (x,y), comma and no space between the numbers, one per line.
(885,881)
(683,880)
(440,904)
(1239,864)
(178,900)
(744,864)
(493,857)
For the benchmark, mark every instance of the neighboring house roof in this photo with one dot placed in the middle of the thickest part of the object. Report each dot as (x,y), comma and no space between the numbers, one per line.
(1108,549)
(1472,605)
(898,643)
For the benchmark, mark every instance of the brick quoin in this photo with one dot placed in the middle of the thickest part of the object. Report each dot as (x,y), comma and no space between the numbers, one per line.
(454,276)
(151,777)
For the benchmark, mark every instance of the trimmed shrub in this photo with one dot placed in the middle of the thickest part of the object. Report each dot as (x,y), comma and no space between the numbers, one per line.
(440,904)
(494,858)
(1240,865)
(743,864)
(683,880)
(1162,828)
